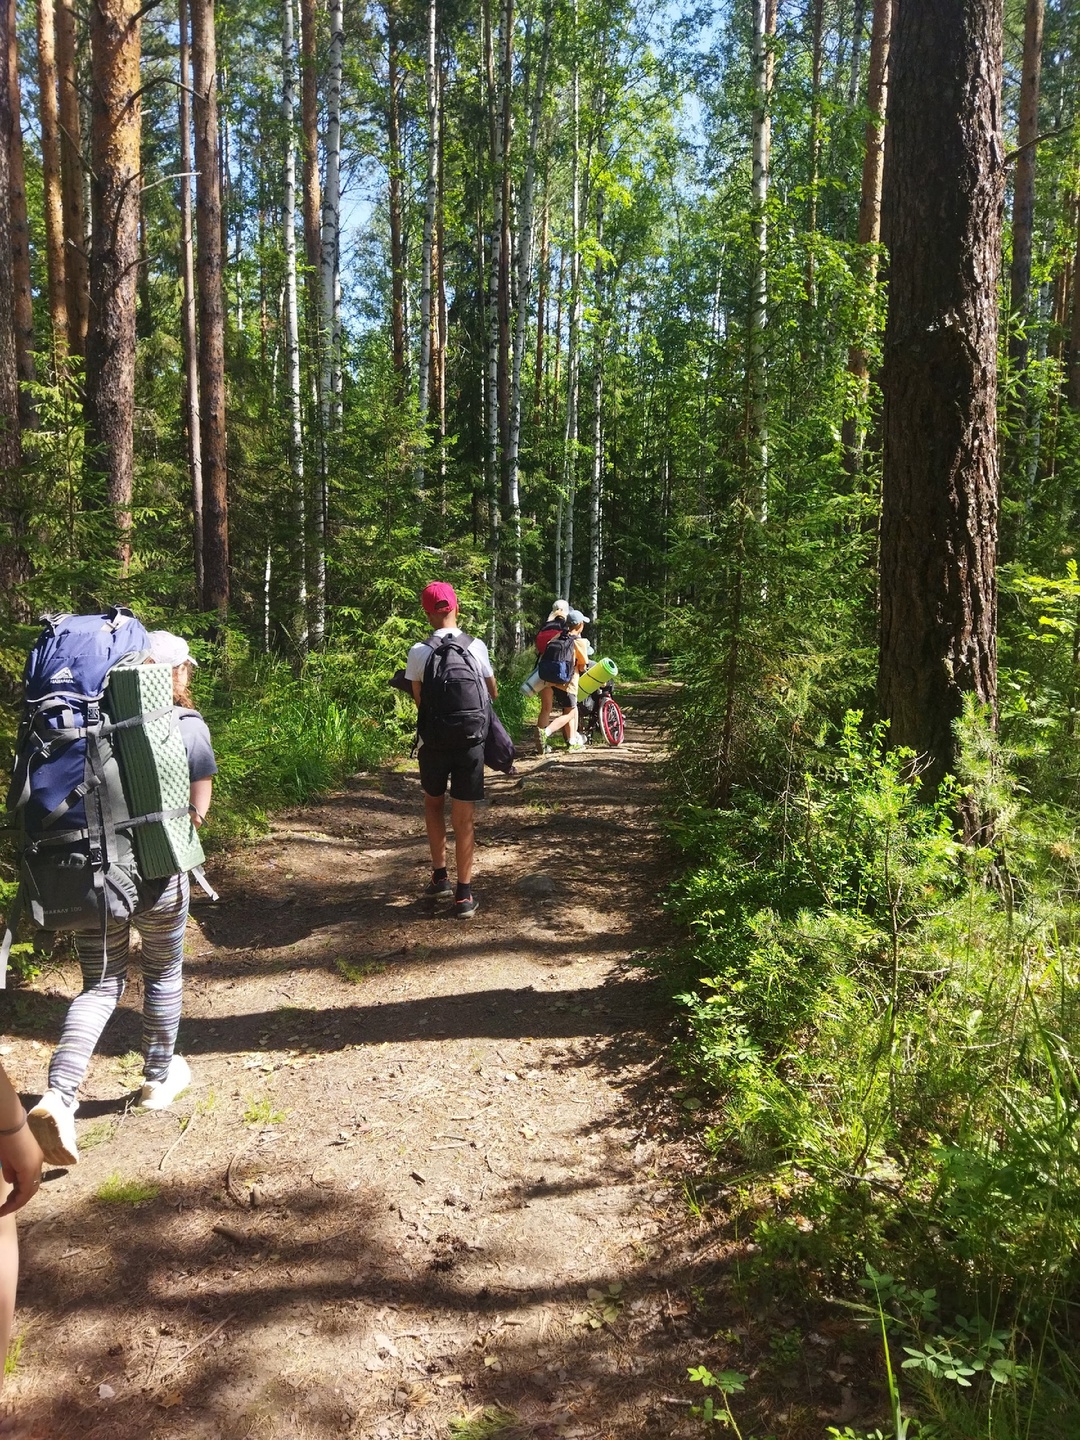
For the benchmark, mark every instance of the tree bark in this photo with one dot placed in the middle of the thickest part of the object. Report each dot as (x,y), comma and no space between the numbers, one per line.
(20,228)
(491,395)
(292,327)
(423,378)
(757,379)
(521,327)
(318,338)
(854,74)
(869,234)
(817,29)
(115,48)
(941,215)
(596,494)
(330,310)
(1023,211)
(1074,328)
(14,561)
(187,269)
(208,233)
(397,255)
(52,201)
(564,550)
(72,175)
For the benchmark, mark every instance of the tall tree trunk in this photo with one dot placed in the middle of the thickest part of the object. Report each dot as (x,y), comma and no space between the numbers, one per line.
(208,233)
(521,328)
(757,381)
(1023,211)
(423,378)
(506,249)
(858,19)
(330,314)
(438,349)
(494,267)
(115,46)
(869,235)
(1074,327)
(20,228)
(596,494)
(50,174)
(941,214)
(316,322)
(187,269)
(397,253)
(542,305)
(72,168)
(292,326)
(14,561)
(817,51)
(564,557)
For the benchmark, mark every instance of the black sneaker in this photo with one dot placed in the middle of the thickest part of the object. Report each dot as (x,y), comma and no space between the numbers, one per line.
(466,909)
(439,889)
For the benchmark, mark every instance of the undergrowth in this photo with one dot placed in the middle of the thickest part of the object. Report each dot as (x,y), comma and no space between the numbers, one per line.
(887,1024)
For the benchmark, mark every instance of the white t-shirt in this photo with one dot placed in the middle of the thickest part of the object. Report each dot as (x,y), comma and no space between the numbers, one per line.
(420,653)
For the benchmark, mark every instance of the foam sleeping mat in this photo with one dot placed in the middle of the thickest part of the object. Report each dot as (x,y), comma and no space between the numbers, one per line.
(154,769)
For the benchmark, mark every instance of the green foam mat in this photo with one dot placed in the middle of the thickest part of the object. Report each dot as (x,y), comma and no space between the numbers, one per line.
(154,769)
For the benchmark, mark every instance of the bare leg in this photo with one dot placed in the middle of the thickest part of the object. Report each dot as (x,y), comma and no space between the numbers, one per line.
(567,719)
(545,707)
(435,824)
(9,1275)
(462,813)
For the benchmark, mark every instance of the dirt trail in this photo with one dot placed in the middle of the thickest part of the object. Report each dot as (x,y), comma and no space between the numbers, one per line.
(416,1151)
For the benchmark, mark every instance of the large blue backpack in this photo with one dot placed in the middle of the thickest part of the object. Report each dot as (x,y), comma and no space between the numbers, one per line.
(67,806)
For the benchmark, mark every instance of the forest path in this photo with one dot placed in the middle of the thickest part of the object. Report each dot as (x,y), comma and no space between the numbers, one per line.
(416,1150)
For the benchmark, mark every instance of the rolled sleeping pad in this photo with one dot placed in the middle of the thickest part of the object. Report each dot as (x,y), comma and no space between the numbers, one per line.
(154,770)
(533,685)
(596,675)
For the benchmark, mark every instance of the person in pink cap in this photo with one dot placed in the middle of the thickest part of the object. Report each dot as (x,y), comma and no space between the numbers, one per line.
(453,685)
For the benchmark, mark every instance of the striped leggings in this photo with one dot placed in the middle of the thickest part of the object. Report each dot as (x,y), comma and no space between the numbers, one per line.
(162,929)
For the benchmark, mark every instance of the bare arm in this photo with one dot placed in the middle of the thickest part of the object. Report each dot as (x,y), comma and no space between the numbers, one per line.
(416,690)
(493,689)
(199,800)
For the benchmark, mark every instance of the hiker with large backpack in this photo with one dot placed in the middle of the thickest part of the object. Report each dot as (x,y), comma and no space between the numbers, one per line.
(564,658)
(112,780)
(552,628)
(453,685)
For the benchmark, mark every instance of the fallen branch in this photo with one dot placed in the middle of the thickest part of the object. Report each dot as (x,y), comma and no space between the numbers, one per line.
(188,1123)
(192,1348)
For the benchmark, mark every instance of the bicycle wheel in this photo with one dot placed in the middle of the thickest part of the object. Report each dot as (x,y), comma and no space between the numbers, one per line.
(611,722)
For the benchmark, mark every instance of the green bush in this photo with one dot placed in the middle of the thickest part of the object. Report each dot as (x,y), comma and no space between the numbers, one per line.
(890,1025)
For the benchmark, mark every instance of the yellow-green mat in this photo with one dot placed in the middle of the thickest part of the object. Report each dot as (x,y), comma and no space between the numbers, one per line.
(154,769)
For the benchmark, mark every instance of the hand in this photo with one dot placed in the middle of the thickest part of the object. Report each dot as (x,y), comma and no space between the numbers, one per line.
(21,1160)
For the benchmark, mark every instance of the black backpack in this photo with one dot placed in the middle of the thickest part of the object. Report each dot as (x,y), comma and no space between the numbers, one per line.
(455,707)
(558,663)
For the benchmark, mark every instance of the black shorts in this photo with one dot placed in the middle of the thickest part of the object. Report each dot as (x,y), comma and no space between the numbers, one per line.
(561,701)
(463,768)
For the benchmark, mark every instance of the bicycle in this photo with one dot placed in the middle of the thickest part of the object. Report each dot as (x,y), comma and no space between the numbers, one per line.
(600,711)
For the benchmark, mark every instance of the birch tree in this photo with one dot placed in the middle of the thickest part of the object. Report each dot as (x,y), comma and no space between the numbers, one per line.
(72,176)
(764,19)
(292,325)
(19,224)
(188,330)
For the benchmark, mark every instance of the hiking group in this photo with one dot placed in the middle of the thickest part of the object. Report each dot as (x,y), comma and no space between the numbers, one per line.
(111,782)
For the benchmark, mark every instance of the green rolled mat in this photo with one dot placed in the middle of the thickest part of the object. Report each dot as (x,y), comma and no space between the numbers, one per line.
(154,769)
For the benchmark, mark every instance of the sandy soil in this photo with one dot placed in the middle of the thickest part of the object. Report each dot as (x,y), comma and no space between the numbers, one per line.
(420,1171)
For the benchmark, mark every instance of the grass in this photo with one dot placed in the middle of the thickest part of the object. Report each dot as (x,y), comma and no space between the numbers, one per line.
(262,1112)
(129,1067)
(357,971)
(118,1191)
(14,1354)
(99,1132)
(491,1422)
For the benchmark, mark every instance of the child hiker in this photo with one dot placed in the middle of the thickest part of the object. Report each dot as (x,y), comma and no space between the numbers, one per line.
(161,921)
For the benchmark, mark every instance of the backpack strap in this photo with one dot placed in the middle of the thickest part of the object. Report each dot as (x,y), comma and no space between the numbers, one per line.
(13,917)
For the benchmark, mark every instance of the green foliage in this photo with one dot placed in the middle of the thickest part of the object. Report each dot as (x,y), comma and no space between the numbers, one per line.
(887,1020)
(262,1112)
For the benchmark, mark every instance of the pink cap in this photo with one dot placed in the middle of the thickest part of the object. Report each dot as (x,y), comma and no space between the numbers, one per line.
(438,598)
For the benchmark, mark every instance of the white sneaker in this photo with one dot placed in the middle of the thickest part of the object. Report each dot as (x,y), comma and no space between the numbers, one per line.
(160,1094)
(577,743)
(52,1124)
